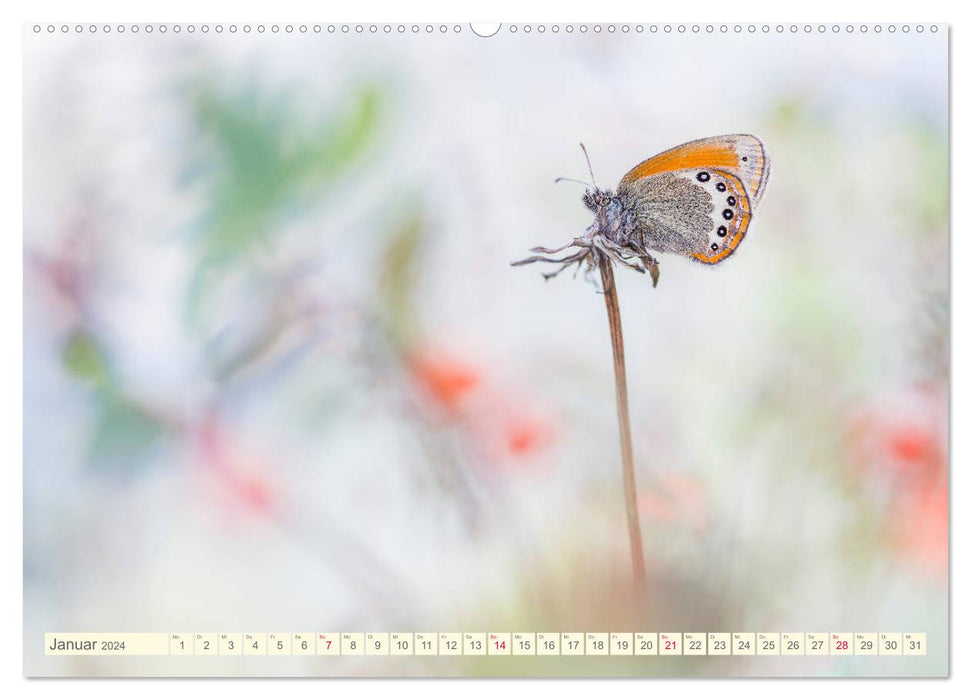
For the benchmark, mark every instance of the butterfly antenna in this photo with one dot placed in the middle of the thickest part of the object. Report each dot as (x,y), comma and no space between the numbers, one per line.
(570,179)
(589,167)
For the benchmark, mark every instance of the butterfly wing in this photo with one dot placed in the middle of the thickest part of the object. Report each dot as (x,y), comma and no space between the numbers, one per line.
(697,199)
(702,213)
(741,155)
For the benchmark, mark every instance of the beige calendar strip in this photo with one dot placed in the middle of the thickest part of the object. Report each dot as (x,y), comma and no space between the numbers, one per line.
(487,644)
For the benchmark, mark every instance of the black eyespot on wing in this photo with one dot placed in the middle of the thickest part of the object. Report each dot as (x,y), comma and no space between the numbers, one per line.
(720,187)
(714,246)
(703,177)
(731,201)
(728,214)
(745,158)
(722,231)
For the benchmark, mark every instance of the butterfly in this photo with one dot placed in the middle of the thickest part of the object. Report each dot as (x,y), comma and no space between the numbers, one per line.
(696,200)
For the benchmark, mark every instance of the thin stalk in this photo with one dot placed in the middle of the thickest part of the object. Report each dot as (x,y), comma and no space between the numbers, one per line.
(623,419)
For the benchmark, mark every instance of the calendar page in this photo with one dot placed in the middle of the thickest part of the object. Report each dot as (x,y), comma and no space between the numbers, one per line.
(519,350)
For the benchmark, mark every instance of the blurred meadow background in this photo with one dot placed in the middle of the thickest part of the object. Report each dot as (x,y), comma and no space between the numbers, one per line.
(279,374)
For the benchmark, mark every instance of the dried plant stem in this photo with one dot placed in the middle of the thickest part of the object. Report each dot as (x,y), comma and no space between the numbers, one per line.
(623,418)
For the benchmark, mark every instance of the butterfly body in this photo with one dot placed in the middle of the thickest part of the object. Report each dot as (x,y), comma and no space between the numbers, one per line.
(695,200)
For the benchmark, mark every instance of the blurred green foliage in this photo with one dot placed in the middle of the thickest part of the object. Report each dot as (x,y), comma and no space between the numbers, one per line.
(400,273)
(931,201)
(264,161)
(267,160)
(123,435)
(83,357)
(123,431)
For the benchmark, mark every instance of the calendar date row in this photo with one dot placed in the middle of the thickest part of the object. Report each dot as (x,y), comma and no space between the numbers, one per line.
(488,644)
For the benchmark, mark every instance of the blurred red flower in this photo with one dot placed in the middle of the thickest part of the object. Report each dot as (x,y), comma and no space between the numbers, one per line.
(502,425)
(445,379)
(524,435)
(898,443)
(67,269)
(508,432)
(237,471)
(901,436)
(677,500)
(919,524)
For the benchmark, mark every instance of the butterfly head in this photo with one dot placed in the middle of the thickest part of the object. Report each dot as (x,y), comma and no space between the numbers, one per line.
(597,199)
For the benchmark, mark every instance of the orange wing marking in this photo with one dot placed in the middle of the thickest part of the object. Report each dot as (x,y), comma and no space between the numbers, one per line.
(687,157)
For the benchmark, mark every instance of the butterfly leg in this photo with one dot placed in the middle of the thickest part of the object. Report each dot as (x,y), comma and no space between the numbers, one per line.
(551,275)
(623,253)
(652,266)
(616,253)
(569,259)
(576,259)
(541,249)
